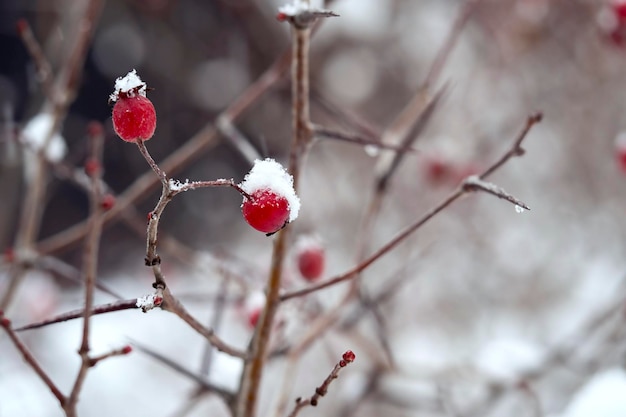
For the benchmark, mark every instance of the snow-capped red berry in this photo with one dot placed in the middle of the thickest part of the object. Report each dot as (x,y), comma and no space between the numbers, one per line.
(310,257)
(266,211)
(272,201)
(134,116)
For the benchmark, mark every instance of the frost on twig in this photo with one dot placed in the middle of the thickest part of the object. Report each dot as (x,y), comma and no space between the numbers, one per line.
(474,183)
(150,301)
(301,13)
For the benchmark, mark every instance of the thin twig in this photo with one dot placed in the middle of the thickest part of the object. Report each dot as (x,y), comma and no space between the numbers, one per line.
(204,385)
(514,151)
(473,183)
(30,359)
(322,389)
(130,304)
(171,304)
(90,270)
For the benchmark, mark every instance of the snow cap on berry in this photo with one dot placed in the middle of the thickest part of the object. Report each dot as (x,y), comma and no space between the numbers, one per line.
(294,8)
(270,175)
(128,85)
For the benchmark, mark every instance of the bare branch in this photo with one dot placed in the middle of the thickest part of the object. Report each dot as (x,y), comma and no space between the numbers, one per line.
(474,183)
(130,304)
(514,151)
(322,390)
(205,385)
(30,359)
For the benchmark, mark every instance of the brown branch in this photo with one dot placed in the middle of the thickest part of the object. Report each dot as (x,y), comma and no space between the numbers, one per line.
(90,269)
(322,389)
(302,136)
(204,385)
(324,132)
(30,359)
(130,304)
(514,151)
(171,304)
(44,69)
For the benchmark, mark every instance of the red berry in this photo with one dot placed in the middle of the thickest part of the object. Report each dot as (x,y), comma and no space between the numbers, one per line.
(311,259)
(134,118)
(108,201)
(127,349)
(266,211)
(437,169)
(95,129)
(281,17)
(157,301)
(619,9)
(342,363)
(253,317)
(349,356)
(9,255)
(4,322)
(92,167)
(21,26)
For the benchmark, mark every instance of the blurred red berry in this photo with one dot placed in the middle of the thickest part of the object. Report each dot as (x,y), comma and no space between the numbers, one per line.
(619,8)
(107,202)
(281,17)
(95,129)
(266,211)
(9,255)
(311,260)
(253,317)
(92,167)
(437,169)
(4,322)
(21,25)
(127,349)
(349,356)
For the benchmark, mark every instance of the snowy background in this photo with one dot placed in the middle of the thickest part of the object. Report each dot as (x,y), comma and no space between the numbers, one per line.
(492,313)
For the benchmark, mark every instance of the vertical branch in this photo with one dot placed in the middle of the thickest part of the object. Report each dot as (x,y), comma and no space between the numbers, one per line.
(90,269)
(302,134)
(60,95)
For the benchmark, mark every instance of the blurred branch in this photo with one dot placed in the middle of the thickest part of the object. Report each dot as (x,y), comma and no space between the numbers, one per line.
(514,151)
(204,385)
(30,359)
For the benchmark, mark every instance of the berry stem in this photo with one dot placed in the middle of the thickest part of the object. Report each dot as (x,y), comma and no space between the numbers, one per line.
(160,173)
